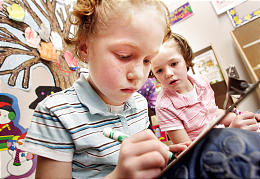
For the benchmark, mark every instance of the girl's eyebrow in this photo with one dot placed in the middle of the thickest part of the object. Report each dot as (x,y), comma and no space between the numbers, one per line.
(135,46)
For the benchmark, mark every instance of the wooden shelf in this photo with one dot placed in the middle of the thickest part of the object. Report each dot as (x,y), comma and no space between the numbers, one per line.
(247,41)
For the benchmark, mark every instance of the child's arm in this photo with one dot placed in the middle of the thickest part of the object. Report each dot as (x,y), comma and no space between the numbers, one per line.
(48,168)
(141,155)
(179,136)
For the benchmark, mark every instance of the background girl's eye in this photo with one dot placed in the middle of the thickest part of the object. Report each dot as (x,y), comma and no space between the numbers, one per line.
(174,63)
(159,71)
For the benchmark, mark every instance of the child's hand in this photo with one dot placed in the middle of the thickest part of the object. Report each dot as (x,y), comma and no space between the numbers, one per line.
(247,121)
(178,148)
(257,117)
(141,156)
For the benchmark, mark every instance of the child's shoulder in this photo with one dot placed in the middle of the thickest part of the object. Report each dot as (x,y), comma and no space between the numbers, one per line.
(164,99)
(139,99)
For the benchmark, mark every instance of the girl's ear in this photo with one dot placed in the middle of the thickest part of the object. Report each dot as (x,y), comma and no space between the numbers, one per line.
(83,50)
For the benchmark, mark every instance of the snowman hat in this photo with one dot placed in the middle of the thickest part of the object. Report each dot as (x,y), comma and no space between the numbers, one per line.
(6,103)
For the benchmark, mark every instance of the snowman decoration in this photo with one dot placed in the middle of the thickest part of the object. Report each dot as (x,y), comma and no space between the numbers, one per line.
(8,131)
(21,161)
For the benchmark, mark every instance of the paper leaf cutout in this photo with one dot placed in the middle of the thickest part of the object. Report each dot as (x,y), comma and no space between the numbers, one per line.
(32,38)
(48,51)
(44,32)
(1,5)
(56,40)
(72,62)
(16,12)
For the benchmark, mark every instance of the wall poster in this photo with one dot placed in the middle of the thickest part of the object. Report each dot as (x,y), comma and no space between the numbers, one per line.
(181,13)
(222,6)
(206,64)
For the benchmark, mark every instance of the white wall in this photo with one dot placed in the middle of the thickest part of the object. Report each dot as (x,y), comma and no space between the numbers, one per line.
(205,27)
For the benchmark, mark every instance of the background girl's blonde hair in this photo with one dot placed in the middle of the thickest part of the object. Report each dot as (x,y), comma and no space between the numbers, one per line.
(184,48)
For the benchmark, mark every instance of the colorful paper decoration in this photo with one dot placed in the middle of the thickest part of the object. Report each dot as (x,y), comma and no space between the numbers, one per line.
(16,12)
(48,51)
(72,62)
(56,40)
(44,32)
(181,13)
(161,135)
(238,21)
(32,38)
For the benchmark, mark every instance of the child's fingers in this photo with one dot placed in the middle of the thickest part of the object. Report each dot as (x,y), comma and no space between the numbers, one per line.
(257,117)
(152,173)
(246,115)
(177,148)
(146,146)
(247,122)
(143,174)
(142,136)
(151,160)
(253,127)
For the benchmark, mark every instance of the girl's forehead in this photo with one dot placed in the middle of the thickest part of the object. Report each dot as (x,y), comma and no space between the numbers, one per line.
(112,10)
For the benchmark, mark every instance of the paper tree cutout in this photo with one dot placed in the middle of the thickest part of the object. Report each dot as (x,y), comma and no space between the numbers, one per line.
(45,17)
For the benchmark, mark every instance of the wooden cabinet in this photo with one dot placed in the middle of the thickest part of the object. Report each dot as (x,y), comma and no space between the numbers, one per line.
(247,41)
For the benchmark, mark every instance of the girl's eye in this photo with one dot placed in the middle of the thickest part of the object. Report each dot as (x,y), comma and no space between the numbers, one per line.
(174,64)
(159,71)
(146,61)
(124,56)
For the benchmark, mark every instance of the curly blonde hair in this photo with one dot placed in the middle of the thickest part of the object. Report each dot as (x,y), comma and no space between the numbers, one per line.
(88,16)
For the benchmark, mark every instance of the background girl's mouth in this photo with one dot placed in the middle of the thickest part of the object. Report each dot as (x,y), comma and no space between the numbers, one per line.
(172,82)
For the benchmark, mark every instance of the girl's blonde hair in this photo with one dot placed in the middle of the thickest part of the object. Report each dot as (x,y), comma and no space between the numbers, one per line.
(88,15)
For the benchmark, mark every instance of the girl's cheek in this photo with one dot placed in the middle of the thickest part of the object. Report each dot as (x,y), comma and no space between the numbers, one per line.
(112,76)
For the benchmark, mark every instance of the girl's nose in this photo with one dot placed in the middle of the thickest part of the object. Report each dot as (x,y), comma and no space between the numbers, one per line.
(168,72)
(136,72)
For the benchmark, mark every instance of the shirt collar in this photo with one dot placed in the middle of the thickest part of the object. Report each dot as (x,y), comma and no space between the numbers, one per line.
(180,101)
(89,98)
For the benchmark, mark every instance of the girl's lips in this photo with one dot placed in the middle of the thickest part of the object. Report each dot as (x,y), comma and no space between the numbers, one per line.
(173,82)
(128,90)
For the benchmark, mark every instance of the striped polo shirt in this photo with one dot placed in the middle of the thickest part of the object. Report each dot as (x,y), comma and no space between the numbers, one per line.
(68,126)
(175,111)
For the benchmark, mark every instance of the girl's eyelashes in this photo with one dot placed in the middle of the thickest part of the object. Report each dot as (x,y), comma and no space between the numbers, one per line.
(124,56)
(159,71)
(174,64)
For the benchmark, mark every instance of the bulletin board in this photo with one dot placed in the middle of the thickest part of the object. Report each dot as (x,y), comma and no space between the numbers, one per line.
(247,41)
(206,63)
(36,60)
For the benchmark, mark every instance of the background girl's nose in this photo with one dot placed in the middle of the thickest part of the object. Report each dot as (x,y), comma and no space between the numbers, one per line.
(168,72)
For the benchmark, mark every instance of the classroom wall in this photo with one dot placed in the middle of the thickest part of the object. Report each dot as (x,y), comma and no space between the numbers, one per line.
(205,27)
